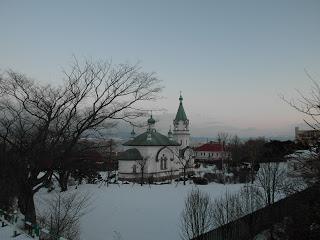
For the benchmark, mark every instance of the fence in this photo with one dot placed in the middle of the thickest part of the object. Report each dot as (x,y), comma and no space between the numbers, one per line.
(250,225)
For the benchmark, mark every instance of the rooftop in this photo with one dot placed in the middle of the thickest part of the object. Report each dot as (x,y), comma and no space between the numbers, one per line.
(151,138)
(210,147)
(130,155)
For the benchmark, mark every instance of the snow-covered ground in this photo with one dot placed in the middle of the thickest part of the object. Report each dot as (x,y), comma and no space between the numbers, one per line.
(134,212)
(7,232)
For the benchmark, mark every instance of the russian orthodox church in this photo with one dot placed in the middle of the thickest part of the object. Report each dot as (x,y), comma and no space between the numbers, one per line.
(154,155)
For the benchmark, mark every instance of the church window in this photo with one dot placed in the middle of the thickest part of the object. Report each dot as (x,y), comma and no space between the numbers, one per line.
(163,163)
(134,168)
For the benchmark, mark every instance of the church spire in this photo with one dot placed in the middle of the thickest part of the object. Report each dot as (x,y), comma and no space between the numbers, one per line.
(181,132)
(181,114)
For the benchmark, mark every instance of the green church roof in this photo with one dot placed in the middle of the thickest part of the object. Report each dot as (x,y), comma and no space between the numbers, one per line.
(130,155)
(154,139)
(181,115)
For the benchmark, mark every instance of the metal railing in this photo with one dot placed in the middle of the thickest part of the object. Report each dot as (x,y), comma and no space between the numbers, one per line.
(26,227)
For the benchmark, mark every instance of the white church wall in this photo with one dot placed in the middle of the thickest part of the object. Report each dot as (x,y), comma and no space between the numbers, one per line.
(126,166)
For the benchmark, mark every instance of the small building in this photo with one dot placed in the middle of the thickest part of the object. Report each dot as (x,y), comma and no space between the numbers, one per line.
(307,137)
(210,152)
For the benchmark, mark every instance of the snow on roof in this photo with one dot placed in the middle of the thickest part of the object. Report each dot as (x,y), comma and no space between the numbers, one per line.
(210,147)
(301,154)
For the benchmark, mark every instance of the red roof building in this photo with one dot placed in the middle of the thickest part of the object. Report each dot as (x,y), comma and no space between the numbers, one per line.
(210,152)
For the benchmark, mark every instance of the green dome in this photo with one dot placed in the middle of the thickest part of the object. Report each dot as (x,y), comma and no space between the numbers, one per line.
(151,120)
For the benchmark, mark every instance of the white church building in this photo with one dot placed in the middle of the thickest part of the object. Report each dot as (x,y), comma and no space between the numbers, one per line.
(159,156)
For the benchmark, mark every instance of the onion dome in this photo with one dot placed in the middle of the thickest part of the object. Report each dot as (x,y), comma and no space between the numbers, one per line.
(151,120)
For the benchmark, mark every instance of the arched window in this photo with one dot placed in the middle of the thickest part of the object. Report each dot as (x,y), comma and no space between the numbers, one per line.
(163,163)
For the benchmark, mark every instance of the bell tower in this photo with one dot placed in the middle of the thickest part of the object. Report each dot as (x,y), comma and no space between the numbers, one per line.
(181,132)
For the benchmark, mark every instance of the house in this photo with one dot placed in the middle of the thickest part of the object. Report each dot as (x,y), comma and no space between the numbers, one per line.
(307,137)
(210,152)
(153,155)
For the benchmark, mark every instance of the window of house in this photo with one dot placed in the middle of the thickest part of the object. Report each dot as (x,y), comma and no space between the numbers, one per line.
(134,168)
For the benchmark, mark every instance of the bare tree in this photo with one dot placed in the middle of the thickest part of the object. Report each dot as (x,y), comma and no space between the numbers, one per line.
(251,199)
(197,215)
(107,149)
(223,138)
(309,105)
(254,149)
(234,147)
(184,160)
(226,209)
(62,214)
(270,179)
(142,163)
(42,124)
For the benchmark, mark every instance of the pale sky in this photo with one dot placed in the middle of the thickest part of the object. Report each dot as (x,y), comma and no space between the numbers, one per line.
(230,59)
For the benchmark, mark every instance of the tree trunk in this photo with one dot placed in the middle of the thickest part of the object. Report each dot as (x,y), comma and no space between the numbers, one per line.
(63,180)
(141,182)
(251,173)
(26,203)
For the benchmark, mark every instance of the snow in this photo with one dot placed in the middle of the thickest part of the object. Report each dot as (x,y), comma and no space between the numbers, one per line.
(6,232)
(134,212)
(302,154)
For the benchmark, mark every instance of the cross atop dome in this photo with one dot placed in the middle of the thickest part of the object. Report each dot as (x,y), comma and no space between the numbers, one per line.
(180,98)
